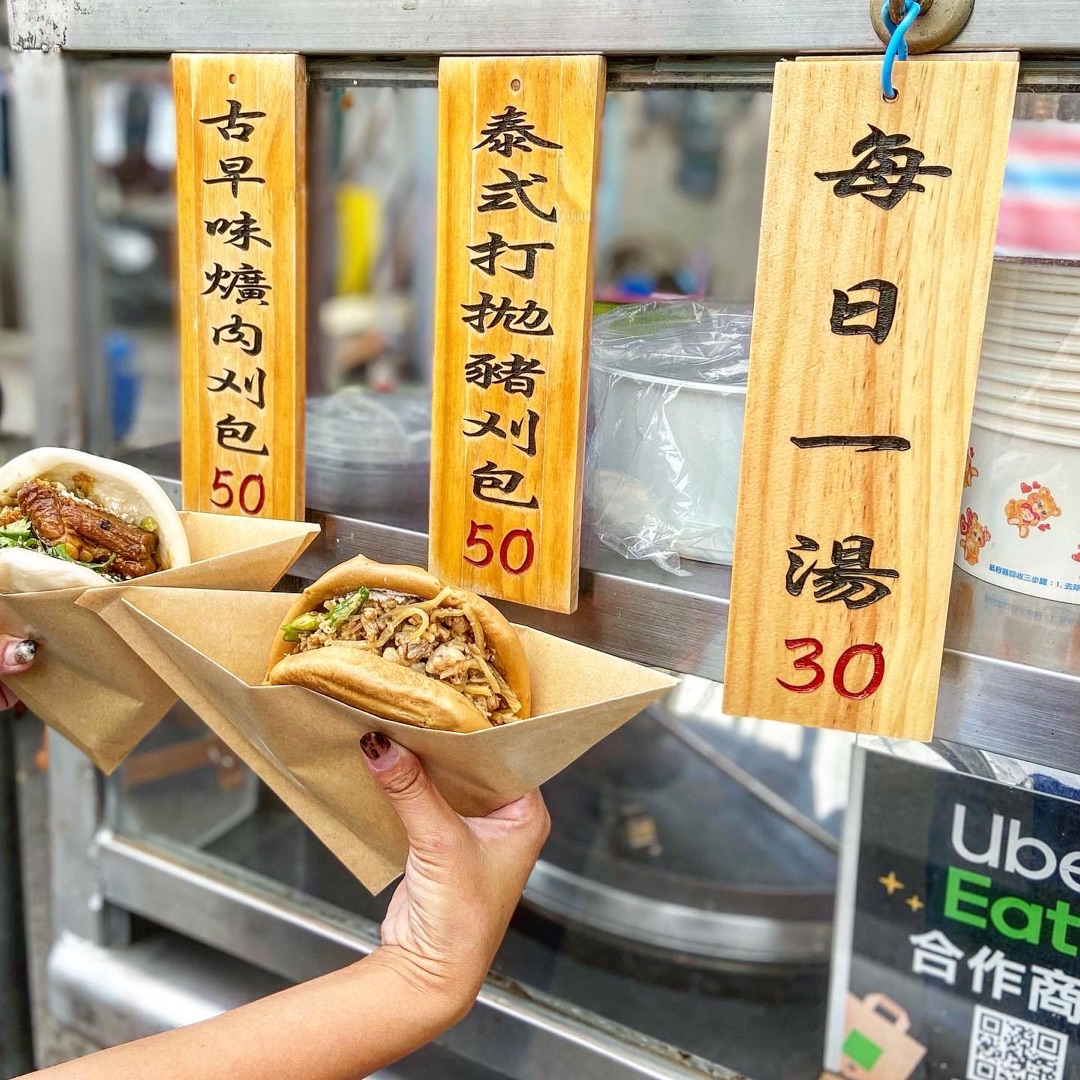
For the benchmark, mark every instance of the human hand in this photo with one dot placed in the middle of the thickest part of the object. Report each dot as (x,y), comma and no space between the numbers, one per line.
(463,877)
(16,656)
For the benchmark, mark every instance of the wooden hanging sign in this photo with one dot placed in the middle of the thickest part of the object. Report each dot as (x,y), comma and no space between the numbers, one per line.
(876,247)
(240,128)
(518,143)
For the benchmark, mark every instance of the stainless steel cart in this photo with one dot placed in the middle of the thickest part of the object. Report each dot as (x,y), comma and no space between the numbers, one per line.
(157,926)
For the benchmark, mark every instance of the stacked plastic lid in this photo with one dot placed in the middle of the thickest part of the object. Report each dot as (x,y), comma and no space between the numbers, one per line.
(368,451)
(1020,518)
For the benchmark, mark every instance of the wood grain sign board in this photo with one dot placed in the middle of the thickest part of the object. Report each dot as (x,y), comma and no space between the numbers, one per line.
(518,147)
(876,250)
(240,181)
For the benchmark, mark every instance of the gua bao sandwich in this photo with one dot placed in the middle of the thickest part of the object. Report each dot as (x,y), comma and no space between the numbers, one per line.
(395,641)
(69,518)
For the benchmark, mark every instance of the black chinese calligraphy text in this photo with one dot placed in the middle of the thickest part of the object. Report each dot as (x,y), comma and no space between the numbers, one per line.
(254,386)
(529,318)
(233,434)
(237,332)
(235,170)
(886,173)
(233,126)
(247,283)
(516,375)
(240,231)
(507,132)
(850,578)
(862,444)
(490,426)
(488,478)
(845,310)
(490,250)
(501,196)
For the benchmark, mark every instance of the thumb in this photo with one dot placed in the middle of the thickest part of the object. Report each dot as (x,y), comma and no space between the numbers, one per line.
(16,655)
(423,811)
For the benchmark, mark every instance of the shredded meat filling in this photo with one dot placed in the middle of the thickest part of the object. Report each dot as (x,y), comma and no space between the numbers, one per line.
(89,535)
(431,637)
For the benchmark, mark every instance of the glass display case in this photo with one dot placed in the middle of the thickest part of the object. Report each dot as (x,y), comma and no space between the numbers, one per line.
(679,923)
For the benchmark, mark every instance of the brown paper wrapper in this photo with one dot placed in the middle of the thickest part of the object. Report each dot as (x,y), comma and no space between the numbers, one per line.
(86,683)
(211,648)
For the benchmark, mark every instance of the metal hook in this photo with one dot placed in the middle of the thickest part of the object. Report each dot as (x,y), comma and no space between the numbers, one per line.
(897,47)
(898,9)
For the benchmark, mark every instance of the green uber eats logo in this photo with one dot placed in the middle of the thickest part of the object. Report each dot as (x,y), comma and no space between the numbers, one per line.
(970,897)
(863,1051)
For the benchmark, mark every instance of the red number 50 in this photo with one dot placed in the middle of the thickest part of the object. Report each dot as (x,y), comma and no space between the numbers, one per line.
(252,494)
(475,540)
(808,663)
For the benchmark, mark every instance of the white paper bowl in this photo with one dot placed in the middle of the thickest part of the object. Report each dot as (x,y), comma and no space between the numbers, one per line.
(1006,455)
(1026,315)
(1042,378)
(1024,394)
(1029,275)
(1060,423)
(1030,358)
(1019,339)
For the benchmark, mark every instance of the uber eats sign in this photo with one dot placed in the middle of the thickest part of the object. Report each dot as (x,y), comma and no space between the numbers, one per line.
(972,898)
(961,962)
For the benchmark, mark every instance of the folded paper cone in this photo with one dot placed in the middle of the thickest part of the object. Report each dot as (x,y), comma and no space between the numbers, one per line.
(85,682)
(211,648)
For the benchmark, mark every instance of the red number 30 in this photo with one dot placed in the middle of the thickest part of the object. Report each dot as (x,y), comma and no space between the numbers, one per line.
(475,540)
(809,663)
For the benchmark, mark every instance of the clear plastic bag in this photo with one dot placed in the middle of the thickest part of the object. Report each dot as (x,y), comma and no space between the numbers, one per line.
(667,394)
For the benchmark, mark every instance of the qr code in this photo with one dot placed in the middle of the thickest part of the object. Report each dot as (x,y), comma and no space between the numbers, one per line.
(1004,1048)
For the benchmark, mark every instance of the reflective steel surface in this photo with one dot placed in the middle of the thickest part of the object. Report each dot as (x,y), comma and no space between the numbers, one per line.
(471,26)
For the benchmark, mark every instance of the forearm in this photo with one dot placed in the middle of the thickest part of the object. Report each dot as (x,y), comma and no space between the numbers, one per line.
(340,1027)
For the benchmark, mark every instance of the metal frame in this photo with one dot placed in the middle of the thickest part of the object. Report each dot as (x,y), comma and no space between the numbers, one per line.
(522,1031)
(44,163)
(101,879)
(626,27)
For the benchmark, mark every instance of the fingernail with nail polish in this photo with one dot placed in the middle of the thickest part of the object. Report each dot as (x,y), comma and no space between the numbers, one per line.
(375,744)
(24,652)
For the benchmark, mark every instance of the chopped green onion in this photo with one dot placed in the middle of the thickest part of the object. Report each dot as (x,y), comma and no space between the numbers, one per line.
(302,624)
(345,608)
(330,621)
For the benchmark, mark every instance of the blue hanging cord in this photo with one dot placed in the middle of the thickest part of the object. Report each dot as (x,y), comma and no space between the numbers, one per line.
(897,47)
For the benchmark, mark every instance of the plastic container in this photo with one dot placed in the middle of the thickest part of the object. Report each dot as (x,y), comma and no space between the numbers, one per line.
(368,451)
(667,395)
